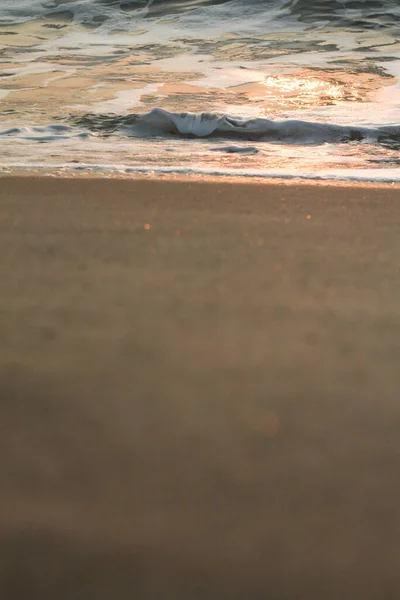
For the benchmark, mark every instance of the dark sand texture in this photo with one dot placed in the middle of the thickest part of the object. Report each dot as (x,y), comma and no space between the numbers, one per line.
(207,408)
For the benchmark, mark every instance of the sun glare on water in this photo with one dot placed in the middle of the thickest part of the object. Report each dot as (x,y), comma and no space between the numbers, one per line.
(303,91)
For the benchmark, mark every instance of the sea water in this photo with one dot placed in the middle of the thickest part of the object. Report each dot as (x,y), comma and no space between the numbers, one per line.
(265,88)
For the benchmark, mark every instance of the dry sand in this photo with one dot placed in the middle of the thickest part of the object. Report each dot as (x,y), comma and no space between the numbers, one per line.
(199,391)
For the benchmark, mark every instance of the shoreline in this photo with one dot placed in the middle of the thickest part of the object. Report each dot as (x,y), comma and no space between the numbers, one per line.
(39,174)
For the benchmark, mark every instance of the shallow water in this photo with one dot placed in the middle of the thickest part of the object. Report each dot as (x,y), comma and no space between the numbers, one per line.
(307,88)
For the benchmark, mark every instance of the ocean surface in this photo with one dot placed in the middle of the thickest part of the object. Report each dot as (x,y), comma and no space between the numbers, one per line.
(257,88)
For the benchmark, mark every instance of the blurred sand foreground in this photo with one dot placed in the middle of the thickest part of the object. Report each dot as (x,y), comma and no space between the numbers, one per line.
(199,390)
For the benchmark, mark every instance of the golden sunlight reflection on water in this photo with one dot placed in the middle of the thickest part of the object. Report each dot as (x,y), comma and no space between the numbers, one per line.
(304,90)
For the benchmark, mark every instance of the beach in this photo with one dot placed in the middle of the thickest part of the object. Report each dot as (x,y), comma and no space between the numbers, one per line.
(199,387)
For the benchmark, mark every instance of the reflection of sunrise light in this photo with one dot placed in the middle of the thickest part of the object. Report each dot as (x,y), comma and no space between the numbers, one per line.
(303,90)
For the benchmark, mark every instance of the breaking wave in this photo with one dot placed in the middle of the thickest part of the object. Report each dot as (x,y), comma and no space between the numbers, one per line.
(159,122)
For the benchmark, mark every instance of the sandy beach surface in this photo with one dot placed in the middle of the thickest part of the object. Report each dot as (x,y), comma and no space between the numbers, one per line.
(199,390)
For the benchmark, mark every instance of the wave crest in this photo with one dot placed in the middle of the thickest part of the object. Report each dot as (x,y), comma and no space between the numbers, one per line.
(160,122)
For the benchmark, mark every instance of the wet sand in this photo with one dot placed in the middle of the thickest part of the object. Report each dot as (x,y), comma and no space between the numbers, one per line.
(200,390)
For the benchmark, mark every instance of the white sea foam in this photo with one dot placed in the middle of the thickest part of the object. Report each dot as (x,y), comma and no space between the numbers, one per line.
(48,133)
(361,175)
